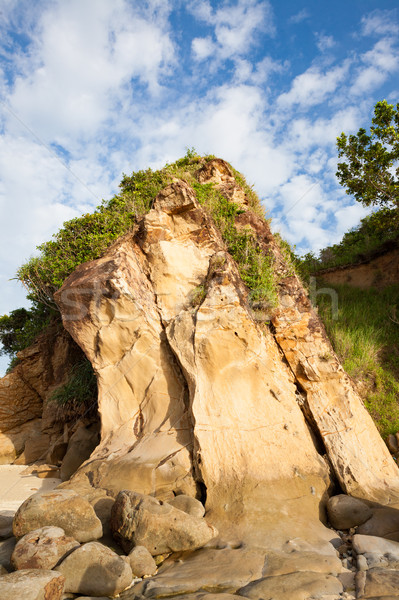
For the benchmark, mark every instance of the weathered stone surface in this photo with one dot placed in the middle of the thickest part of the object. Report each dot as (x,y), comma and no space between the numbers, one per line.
(42,548)
(359,456)
(375,552)
(295,586)
(80,446)
(58,508)
(139,520)
(32,584)
(146,432)
(210,569)
(297,561)
(384,523)
(345,512)
(3,570)
(377,582)
(141,562)
(189,505)
(95,570)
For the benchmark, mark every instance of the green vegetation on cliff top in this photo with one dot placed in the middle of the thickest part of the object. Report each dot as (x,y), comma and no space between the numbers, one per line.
(87,238)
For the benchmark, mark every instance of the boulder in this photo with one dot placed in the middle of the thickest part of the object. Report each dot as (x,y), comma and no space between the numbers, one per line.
(42,548)
(189,505)
(374,551)
(141,562)
(384,523)
(139,520)
(221,570)
(95,570)
(80,446)
(3,570)
(32,584)
(345,512)
(58,508)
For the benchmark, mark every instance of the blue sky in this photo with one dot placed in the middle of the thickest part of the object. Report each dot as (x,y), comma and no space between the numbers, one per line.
(93,88)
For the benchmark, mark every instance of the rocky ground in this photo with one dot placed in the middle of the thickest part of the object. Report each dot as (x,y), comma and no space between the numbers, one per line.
(63,545)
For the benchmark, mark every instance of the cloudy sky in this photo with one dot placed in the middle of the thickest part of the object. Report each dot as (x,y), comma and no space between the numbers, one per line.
(90,89)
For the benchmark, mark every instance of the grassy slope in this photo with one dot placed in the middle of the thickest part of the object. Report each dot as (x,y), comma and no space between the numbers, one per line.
(366,340)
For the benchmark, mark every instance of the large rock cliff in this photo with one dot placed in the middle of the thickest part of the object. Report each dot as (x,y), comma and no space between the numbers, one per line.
(201,393)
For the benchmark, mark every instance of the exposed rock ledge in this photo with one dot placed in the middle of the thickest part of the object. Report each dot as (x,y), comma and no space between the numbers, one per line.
(207,400)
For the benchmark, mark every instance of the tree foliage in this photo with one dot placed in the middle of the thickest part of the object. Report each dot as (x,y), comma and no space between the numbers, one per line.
(19,329)
(371,169)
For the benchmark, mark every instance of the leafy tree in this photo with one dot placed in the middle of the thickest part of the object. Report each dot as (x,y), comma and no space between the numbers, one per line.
(371,170)
(19,329)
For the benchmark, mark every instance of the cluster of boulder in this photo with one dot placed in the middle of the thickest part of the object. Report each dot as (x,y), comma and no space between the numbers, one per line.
(55,551)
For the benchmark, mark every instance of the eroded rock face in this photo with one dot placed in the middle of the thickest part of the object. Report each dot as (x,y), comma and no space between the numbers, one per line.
(196,396)
(329,401)
(24,431)
(187,394)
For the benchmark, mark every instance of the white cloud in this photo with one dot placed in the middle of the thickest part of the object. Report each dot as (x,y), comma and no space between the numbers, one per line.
(203,48)
(378,64)
(324,42)
(313,86)
(236,27)
(380,22)
(80,64)
(300,16)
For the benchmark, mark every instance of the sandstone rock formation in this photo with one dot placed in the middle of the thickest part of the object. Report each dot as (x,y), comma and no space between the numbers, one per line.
(244,406)
(204,398)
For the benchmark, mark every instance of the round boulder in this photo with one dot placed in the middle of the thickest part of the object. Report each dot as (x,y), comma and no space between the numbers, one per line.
(58,508)
(32,584)
(139,520)
(95,570)
(141,562)
(345,512)
(42,548)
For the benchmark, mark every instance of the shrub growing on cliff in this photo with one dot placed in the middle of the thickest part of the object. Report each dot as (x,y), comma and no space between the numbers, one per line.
(78,396)
(86,238)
